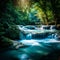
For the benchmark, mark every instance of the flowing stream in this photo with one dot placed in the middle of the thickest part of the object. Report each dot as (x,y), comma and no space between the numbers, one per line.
(37,45)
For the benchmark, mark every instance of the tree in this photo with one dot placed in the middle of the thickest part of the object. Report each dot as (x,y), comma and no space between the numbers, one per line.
(8,30)
(55,4)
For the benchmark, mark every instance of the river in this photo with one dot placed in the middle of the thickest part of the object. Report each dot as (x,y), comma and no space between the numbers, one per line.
(36,49)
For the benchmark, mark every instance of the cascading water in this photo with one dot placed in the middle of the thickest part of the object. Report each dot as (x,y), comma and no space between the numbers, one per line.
(56,35)
(22,36)
(29,36)
(40,43)
(52,27)
(53,36)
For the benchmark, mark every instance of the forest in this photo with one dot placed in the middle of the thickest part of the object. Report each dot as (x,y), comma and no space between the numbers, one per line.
(25,12)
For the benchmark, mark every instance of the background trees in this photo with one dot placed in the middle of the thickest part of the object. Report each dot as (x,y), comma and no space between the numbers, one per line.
(51,10)
(25,12)
(55,4)
(8,21)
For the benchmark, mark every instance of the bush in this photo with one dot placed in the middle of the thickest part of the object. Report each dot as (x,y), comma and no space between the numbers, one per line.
(13,33)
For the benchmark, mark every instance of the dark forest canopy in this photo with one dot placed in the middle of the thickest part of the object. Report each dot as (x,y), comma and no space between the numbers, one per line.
(47,11)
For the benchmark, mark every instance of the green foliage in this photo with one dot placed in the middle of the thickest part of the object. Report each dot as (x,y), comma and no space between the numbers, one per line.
(8,20)
(51,9)
(13,32)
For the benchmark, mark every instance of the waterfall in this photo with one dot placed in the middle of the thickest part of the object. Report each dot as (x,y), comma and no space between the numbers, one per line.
(29,36)
(54,36)
(53,28)
(22,36)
